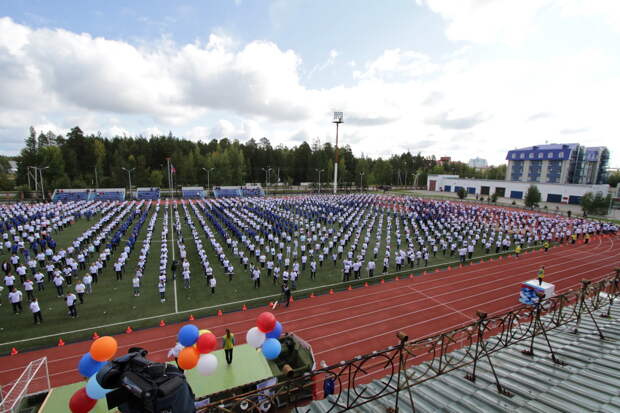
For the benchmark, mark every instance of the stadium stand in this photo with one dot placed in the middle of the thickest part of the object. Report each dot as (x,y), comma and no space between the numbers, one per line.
(226,191)
(66,195)
(147,193)
(252,191)
(193,192)
(109,194)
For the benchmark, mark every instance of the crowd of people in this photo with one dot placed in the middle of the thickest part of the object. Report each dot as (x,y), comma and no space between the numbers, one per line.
(278,240)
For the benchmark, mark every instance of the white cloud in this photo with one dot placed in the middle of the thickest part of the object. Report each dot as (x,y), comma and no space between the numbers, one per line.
(396,62)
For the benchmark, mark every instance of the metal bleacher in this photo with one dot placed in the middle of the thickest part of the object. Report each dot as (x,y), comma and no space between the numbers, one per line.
(148,193)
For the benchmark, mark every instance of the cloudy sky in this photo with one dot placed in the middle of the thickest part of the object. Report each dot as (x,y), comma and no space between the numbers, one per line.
(462,78)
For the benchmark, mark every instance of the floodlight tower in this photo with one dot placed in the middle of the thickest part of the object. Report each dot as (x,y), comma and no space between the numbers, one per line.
(337,120)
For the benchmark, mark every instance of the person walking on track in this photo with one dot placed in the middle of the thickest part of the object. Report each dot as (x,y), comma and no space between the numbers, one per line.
(541,275)
(228,342)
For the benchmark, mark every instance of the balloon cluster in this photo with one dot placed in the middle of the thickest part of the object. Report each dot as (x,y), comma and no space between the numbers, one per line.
(197,346)
(102,350)
(265,335)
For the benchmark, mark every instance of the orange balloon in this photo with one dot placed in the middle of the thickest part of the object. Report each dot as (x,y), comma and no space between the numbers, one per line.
(104,348)
(188,358)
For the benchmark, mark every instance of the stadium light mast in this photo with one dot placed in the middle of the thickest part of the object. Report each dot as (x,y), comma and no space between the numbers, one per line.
(129,171)
(337,120)
(361,181)
(319,172)
(208,171)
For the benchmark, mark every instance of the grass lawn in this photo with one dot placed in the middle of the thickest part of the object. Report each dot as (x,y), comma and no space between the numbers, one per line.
(113,301)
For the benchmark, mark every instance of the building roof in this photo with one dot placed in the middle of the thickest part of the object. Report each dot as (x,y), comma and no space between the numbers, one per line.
(589,382)
(552,151)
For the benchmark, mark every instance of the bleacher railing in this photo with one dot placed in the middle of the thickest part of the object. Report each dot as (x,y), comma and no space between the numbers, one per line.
(434,355)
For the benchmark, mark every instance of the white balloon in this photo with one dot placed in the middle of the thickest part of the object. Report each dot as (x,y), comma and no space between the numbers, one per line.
(255,337)
(207,364)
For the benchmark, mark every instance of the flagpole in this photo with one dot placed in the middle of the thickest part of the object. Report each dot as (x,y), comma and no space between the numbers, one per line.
(169,177)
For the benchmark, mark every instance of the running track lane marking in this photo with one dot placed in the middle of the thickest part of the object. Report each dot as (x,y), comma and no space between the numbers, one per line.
(348,299)
(446,276)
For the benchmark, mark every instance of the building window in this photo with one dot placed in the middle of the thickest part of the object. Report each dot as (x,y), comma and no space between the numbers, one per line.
(550,155)
(514,156)
(540,155)
(522,155)
(531,155)
(561,155)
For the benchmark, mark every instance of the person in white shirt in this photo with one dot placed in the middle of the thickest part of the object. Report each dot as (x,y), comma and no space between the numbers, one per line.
(162,291)
(36,311)
(118,267)
(9,281)
(39,279)
(58,281)
(71,299)
(80,288)
(88,283)
(135,282)
(15,297)
(186,278)
(29,288)
(212,284)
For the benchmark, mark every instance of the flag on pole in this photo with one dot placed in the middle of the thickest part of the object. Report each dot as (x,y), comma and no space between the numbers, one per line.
(173,169)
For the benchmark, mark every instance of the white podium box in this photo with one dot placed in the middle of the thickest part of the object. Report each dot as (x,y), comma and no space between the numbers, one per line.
(529,290)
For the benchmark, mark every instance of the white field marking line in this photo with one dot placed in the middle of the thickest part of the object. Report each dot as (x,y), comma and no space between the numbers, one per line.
(442,304)
(411,325)
(173,247)
(558,254)
(379,292)
(333,321)
(322,337)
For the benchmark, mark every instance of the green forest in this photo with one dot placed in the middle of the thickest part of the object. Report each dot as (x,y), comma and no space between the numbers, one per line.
(79,161)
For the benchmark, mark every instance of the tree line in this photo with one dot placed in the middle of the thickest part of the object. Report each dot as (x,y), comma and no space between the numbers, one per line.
(83,161)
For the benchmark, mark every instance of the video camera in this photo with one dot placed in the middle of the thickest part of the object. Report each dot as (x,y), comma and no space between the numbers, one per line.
(145,386)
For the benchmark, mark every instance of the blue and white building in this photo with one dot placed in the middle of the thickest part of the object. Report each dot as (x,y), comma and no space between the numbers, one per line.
(558,164)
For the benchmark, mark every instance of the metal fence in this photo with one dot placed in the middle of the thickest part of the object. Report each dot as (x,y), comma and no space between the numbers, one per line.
(433,355)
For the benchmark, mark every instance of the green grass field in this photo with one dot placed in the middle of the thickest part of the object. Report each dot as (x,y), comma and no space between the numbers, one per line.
(112,306)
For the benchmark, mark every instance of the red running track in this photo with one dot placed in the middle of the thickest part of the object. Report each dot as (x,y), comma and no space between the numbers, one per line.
(350,323)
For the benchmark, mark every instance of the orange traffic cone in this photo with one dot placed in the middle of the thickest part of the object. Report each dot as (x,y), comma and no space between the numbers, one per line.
(436,269)
(349,288)
(219,313)
(14,351)
(366,284)
(331,291)
(424,273)
(191,317)
(95,336)
(270,304)
(411,276)
(60,342)
(129,330)
(162,323)
(244,308)
(397,278)
(449,267)
(291,300)
(382,281)
(311,295)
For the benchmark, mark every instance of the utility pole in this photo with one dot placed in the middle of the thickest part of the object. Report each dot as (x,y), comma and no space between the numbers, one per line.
(208,178)
(266,177)
(338,119)
(169,177)
(319,171)
(96,179)
(41,176)
(361,181)
(129,173)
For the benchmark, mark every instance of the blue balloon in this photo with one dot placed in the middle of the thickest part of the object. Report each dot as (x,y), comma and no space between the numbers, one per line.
(94,389)
(275,333)
(188,335)
(89,366)
(271,348)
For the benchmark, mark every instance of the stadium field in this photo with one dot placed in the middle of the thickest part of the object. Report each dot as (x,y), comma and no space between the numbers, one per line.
(112,306)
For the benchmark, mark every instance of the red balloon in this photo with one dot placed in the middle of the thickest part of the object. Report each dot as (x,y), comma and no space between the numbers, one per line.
(80,402)
(266,322)
(206,343)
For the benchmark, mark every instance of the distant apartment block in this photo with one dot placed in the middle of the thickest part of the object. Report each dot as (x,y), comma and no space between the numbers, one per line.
(478,163)
(558,164)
